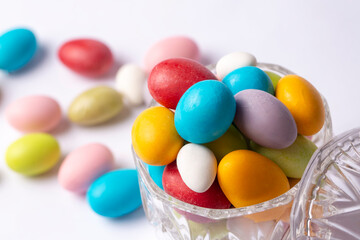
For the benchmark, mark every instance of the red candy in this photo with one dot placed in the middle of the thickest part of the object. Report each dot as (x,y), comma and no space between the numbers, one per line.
(86,56)
(175,186)
(171,78)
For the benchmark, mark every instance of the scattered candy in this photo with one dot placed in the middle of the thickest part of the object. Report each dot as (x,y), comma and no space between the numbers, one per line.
(205,112)
(248,178)
(17,47)
(34,114)
(87,57)
(169,79)
(197,166)
(304,102)
(293,159)
(115,194)
(175,186)
(130,81)
(84,165)
(96,105)
(248,78)
(233,61)
(264,119)
(154,136)
(33,154)
(172,47)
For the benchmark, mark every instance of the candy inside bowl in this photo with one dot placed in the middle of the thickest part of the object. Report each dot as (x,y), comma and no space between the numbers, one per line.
(176,219)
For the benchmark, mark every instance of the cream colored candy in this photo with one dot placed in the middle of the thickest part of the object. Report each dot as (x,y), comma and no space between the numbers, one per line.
(84,165)
(232,61)
(197,166)
(130,81)
(34,114)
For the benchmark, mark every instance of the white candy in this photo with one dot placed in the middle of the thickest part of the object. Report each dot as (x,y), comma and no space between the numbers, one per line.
(130,81)
(232,61)
(197,166)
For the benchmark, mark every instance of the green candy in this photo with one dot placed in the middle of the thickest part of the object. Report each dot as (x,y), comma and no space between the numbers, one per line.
(33,154)
(95,106)
(274,78)
(292,160)
(232,140)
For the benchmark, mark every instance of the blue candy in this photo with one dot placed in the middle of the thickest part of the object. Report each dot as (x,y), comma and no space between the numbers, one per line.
(205,112)
(156,173)
(17,47)
(248,78)
(115,193)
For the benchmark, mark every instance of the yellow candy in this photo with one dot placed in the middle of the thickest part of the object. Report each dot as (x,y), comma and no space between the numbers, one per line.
(248,178)
(154,137)
(303,101)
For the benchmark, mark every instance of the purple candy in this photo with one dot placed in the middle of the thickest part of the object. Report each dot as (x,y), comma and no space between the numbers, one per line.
(264,119)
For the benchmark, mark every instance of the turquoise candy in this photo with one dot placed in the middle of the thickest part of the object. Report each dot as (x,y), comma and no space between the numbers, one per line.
(248,78)
(115,193)
(17,47)
(156,173)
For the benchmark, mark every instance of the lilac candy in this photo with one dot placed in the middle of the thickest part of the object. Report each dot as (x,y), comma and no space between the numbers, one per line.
(264,119)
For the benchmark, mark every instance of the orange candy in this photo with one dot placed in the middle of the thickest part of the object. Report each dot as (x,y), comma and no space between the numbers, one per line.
(154,137)
(248,178)
(303,101)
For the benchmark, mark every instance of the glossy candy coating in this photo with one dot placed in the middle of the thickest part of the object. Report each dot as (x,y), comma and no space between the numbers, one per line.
(115,193)
(95,106)
(171,47)
(34,114)
(232,61)
(293,159)
(248,178)
(84,165)
(264,119)
(17,47)
(175,186)
(87,57)
(156,173)
(197,166)
(205,112)
(169,79)
(154,137)
(33,154)
(248,78)
(304,102)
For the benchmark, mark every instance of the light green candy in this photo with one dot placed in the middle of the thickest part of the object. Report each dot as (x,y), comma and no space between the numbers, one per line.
(33,154)
(95,106)
(232,140)
(274,78)
(292,160)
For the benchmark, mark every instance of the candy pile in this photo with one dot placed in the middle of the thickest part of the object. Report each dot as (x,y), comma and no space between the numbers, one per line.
(235,138)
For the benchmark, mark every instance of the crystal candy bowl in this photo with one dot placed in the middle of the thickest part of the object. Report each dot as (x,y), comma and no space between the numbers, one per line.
(175,219)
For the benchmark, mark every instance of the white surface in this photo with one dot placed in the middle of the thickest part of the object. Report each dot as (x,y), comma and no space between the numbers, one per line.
(317,39)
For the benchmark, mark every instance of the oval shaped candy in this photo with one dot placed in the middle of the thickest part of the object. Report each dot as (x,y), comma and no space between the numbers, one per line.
(115,193)
(232,140)
(232,61)
(175,186)
(273,77)
(205,112)
(84,165)
(248,78)
(156,173)
(154,137)
(304,102)
(171,47)
(197,166)
(34,114)
(264,119)
(95,106)
(293,159)
(130,81)
(248,178)
(88,57)
(33,154)
(169,79)
(17,47)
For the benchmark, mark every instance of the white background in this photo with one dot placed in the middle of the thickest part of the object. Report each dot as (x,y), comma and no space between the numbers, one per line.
(319,40)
